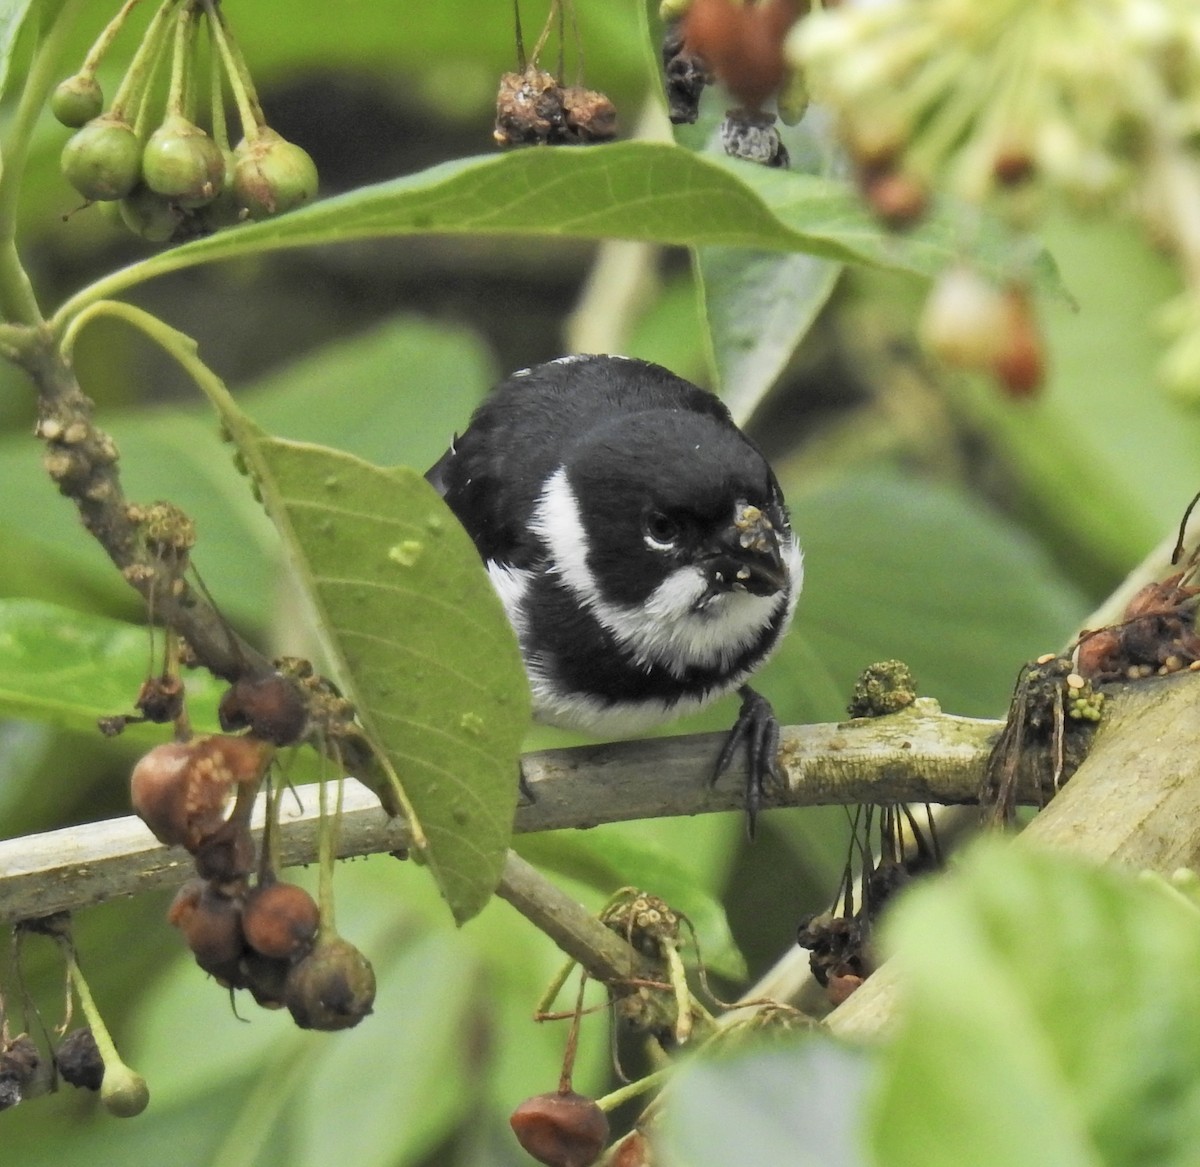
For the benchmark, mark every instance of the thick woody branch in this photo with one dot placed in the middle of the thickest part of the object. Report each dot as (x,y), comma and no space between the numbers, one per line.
(918,755)
(1135,801)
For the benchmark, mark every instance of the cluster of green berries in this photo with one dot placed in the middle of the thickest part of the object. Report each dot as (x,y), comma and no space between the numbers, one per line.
(146,154)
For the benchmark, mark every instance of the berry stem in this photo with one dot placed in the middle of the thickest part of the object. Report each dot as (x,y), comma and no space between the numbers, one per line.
(249,111)
(136,81)
(634,1089)
(115,1070)
(326,857)
(572,1048)
(103,42)
(185,29)
(216,98)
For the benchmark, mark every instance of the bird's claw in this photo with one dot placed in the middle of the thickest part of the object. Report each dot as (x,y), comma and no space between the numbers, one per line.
(758,727)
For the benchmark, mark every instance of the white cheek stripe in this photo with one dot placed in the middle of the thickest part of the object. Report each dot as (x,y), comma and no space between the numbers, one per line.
(667,630)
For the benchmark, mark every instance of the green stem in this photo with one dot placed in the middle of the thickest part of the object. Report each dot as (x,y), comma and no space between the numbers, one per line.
(137,77)
(17,301)
(185,36)
(216,100)
(249,111)
(634,1089)
(104,41)
(128,1086)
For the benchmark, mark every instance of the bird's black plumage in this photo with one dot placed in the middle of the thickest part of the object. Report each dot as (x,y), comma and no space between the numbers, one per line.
(638,539)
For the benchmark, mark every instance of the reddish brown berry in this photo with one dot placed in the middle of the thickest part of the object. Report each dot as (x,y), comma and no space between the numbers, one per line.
(632,1151)
(742,44)
(1099,653)
(181,789)
(211,925)
(280,920)
(333,987)
(563,1129)
(1020,367)
(896,199)
(271,706)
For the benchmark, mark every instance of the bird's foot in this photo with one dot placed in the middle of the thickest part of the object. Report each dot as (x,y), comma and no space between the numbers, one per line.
(758,727)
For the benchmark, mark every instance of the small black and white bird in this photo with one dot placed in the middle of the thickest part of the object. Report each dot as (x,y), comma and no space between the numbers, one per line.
(639,542)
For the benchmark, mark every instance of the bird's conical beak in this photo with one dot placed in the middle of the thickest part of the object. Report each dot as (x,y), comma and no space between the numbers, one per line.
(747,555)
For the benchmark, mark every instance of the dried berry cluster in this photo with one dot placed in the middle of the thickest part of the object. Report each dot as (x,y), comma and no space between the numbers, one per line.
(1156,635)
(840,942)
(169,178)
(246,927)
(534,108)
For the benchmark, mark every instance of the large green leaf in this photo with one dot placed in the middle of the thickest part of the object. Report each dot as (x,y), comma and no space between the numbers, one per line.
(1048,1017)
(627,190)
(759,306)
(421,641)
(67,669)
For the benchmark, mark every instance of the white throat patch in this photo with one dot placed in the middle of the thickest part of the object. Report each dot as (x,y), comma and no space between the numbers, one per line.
(668,630)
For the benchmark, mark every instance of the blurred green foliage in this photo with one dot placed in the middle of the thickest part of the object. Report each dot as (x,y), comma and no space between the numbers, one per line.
(942,523)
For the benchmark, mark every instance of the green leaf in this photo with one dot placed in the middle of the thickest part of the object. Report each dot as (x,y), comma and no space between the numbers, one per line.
(609,860)
(759,305)
(1048,1017)
(422,644)
(67,669)
(799,1105)
(627,190)
(12,20)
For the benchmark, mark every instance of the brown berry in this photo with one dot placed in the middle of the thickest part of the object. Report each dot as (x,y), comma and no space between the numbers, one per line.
(170,800)
(1020,367)
(19,1061)
(271,706)
(280,920)
(181,790)
(265,977)
(896,199)
(211,925)
(79,1061)
(563,1129)
(333,987)
(742,44)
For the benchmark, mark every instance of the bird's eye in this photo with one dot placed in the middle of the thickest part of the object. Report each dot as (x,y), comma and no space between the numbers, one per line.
(661,530)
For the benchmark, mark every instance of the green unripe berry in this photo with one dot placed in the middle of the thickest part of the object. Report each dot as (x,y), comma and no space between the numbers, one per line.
(272,175)
(181,162)
(123,1092)
(103,160)
(150,215)
(77,100)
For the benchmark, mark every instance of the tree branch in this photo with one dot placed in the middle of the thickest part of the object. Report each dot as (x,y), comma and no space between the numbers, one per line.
(1135,800)
(917,755)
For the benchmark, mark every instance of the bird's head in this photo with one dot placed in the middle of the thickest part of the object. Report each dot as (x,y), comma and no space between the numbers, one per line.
(670,525)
